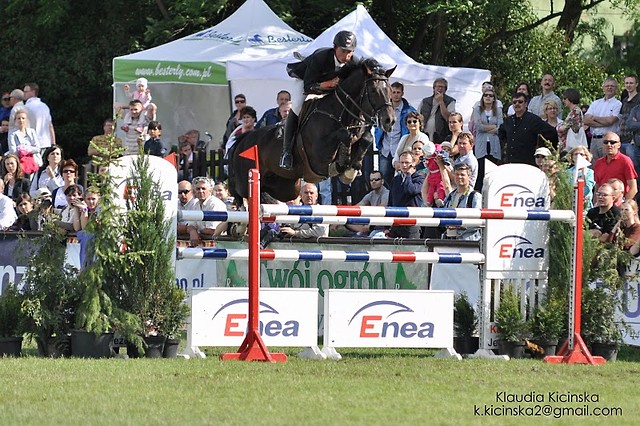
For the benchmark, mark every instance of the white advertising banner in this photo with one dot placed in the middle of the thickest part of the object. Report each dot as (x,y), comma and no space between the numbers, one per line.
(516,245)
(395,319)
(288,317)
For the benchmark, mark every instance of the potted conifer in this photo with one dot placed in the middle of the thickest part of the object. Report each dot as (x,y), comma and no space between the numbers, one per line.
(547,325)
(11,321)
(465,323)
(511,323)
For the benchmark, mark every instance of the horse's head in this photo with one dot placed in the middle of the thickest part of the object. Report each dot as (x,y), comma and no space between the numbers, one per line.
(371,88)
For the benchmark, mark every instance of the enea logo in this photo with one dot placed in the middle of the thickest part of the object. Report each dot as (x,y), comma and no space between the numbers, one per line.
(517,247)
(235,323)
(375,324)
(514,195)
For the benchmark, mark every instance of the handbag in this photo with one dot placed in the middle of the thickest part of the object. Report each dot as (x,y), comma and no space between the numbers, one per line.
(28,164)
(576,139)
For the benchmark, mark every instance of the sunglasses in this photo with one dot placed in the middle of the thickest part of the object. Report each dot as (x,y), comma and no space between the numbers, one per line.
(488,95)
(6,99)
(240,101)
(184,191)
(68,171)
(609,142)
(375,179)
(518,102)
(540,156)
(412,121)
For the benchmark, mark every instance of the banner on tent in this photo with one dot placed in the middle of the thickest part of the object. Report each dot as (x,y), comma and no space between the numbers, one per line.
(159,71)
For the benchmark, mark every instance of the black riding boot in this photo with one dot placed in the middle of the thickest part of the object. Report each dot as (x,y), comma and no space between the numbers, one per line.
(290,126)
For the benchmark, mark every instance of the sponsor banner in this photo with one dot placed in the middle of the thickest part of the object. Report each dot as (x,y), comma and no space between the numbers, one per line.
(125,71)
(516,245)
(13,259)
(395,319)
(219,317)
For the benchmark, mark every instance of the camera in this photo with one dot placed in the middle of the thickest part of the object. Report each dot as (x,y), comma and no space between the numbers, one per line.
(46,203)
(444,155)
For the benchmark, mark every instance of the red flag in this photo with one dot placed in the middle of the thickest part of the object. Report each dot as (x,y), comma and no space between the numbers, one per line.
(251,154)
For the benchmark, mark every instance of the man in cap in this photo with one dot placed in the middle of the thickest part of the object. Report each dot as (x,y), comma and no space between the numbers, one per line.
(319,75)
(541,155)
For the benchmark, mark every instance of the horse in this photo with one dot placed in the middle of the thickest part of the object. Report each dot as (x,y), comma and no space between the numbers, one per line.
(332,138)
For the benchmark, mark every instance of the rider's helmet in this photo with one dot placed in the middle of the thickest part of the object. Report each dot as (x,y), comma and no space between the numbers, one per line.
(345,40)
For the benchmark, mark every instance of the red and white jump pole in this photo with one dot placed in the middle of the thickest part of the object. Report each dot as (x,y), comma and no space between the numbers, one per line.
(253,347)
(574,350)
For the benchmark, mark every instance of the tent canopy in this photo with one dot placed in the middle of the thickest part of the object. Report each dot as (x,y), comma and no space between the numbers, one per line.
(464,83)
(187,77)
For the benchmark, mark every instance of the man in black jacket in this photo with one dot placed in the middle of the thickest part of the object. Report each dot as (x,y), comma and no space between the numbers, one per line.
(319,75)
(521,130)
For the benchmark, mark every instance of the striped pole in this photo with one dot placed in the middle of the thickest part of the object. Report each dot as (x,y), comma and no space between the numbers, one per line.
(417,212)
(334,255)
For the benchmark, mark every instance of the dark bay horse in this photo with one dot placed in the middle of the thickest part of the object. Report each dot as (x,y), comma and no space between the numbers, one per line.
(333,136)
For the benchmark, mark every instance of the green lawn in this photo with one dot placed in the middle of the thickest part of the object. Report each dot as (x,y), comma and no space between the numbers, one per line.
(372,387)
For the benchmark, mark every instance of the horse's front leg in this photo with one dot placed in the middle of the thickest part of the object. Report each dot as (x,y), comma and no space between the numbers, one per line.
(343,152)
(359,150)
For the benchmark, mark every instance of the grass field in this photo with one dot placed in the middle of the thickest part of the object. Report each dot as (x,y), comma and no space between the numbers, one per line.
(371,387)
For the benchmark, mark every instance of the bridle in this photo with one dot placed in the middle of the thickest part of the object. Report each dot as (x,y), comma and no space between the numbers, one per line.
(363,118)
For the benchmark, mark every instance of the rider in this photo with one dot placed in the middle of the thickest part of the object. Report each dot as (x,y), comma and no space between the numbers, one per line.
(318,72)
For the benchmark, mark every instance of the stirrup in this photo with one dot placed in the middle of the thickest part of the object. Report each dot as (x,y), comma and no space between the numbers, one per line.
(286,161)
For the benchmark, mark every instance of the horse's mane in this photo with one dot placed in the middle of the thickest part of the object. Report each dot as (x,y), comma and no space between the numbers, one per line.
(351,66)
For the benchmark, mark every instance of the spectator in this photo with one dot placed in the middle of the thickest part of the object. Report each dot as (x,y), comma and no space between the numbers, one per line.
(618,191)
(69,178)
(630,226)
(4,136)
(455,127)
(90,207)
(541,156)
(248,124)
(436,110)
(15,183)
(235,119)
(615,165)
(185,160)
(536,105)
(602,117)
(413,122)
(206,201)
(605,215)
(8,214)
(17,104)
(521,131)
(586,173)
(5,106)
(522,88)
(27,216)
(70,216)
(309,197)
(39,116)
(101,142)
(433,189)
(573,122)
(378,196)
(388,143)
(632,149)
(629,101)
(193,137)
(221,190)
(49,175)
(135,127)
(551,111)
(142,92)
(43,205)
(153,145)
(23,142)
(406,191)
(466,156)
(463,196)
(486,87)
(186,201)
(487,119)
(276,114)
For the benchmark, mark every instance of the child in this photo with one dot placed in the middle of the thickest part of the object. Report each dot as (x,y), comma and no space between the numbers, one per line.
(142,94)
(153,145)
(433,185)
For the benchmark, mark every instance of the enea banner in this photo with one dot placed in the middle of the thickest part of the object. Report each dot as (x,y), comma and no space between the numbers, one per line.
(394,319)
(516,245)
(288,317)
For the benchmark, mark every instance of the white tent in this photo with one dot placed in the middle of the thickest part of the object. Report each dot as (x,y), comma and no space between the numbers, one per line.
(187,77)
(464,83)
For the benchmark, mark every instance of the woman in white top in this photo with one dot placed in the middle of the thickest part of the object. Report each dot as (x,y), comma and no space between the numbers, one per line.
(487,119)
(23,138)
(414,122)
(49,175)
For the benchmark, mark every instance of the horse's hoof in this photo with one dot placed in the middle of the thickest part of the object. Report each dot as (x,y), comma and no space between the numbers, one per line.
(237,230)
(348,176)
(333,170)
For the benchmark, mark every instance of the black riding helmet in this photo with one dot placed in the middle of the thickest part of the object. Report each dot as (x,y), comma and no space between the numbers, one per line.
(345,40)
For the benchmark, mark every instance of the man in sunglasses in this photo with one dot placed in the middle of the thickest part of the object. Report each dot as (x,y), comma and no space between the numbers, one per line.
(186,201)
(5,107)
(520,132)
(318,73)
(615,165)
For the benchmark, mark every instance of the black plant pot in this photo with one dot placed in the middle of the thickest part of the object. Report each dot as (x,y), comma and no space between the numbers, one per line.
(90,345)
(608,351)
(548,346)
(466,345)
(11,346)
(513,349)
(170,348)
(155,346)
(54,348)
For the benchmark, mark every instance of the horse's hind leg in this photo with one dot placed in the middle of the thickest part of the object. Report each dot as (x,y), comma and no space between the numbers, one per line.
(343,154)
